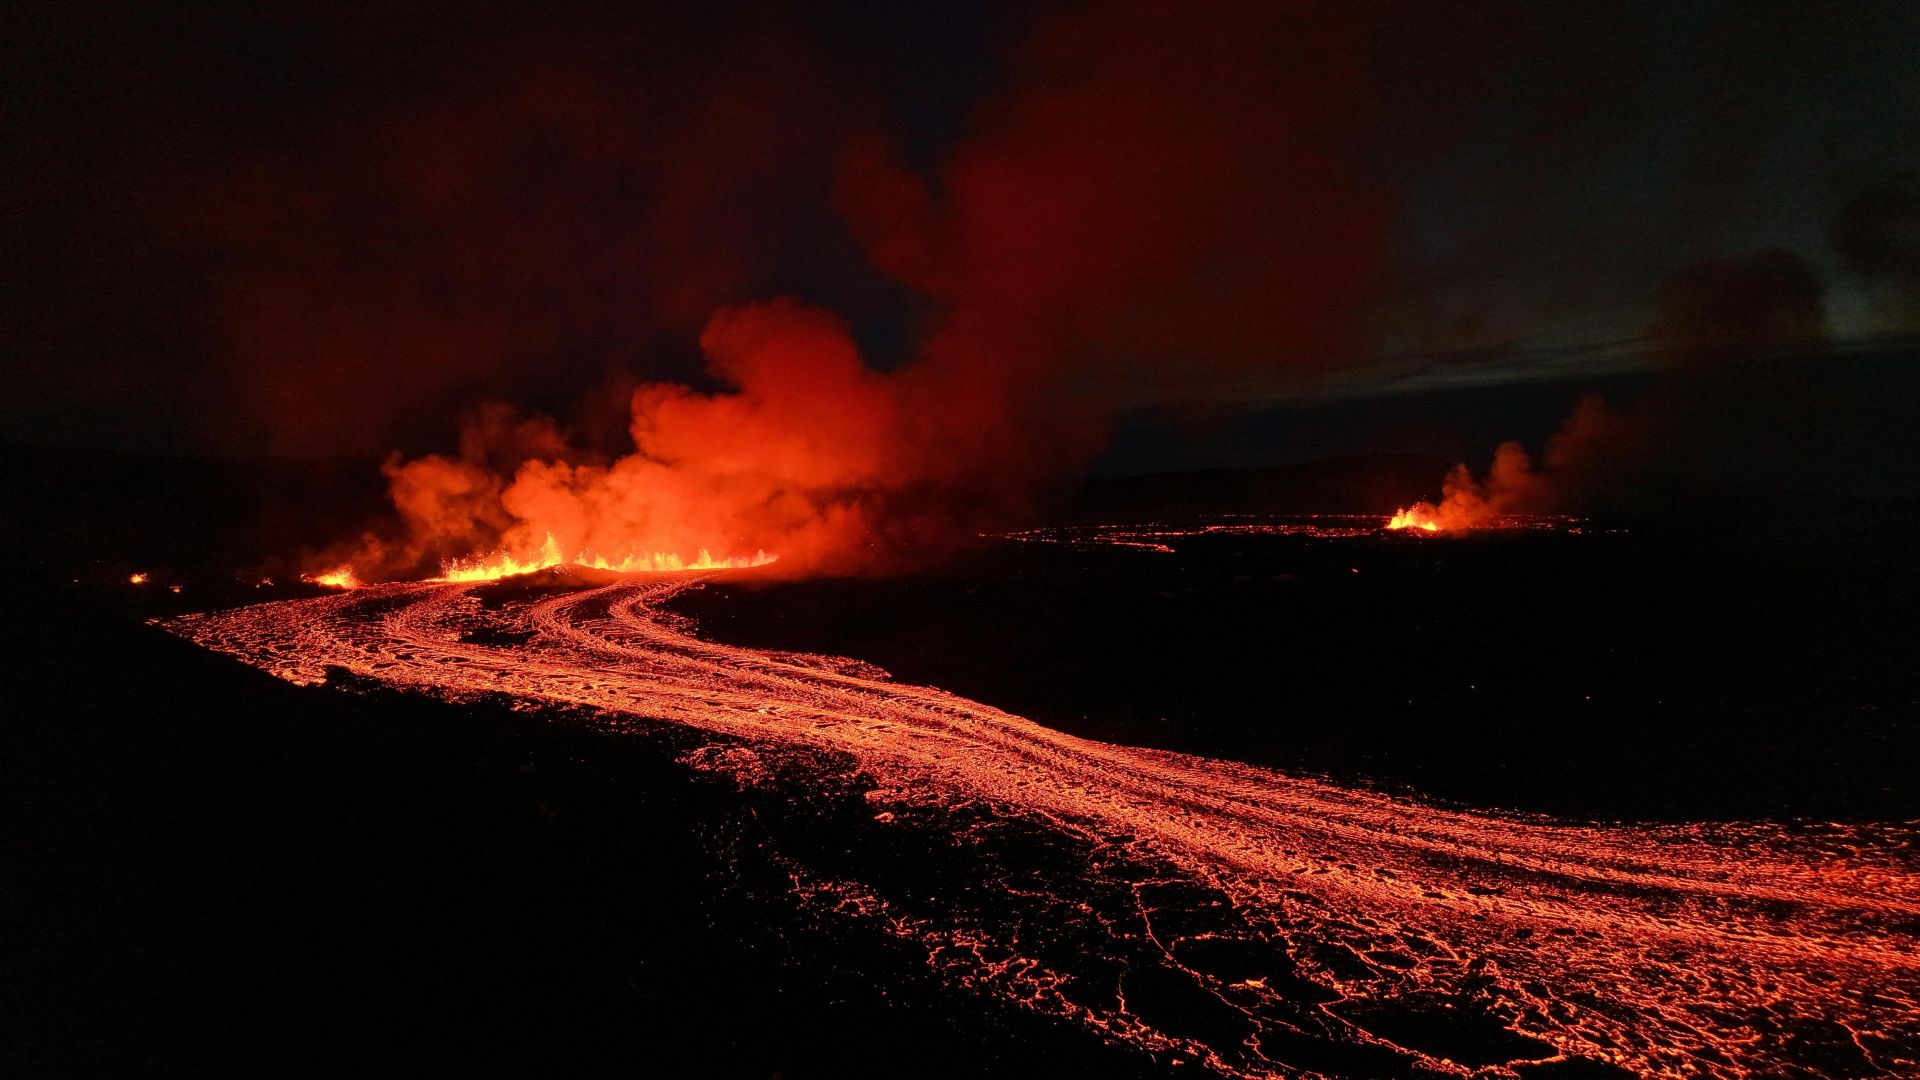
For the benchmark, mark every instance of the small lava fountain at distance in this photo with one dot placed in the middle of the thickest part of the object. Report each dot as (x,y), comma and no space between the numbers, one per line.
(340,577)
(1420,516)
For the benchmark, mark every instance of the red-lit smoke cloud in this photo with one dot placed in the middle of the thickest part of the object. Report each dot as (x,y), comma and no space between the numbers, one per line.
(1594,444)
(1165,193)
(1159,199)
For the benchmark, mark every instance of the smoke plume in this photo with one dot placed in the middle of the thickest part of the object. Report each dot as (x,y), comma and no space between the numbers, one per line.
(1109,230)
(1720,330)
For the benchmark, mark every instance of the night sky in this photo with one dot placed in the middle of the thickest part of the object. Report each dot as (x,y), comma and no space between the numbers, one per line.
(1240,234)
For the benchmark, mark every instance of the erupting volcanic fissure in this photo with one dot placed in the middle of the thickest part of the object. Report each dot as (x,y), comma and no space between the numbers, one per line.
(1594,440)
(1314,920)
(340,577)
(475,334)
(504,564)
(1106,235)
(1421,516)
(803,453)
(1511,486)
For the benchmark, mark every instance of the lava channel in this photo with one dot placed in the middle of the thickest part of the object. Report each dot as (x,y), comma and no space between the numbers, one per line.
(1308,914)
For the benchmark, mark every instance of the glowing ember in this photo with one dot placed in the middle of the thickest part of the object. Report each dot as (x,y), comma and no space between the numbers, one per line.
(341,577)
(1717,950)
(505,564)
(137,579)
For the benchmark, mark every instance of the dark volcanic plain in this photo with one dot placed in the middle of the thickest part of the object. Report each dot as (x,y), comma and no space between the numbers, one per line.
(1638,674)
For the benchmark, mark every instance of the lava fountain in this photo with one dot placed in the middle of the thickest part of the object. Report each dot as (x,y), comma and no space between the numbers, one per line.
(1717,950)
(504,564)
(340,577)
(1420,515)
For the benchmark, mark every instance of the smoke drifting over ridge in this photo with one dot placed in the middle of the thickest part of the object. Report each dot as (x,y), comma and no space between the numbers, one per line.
(1721,329)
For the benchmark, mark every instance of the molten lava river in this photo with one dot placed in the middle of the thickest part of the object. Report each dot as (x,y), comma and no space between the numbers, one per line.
(1237,920)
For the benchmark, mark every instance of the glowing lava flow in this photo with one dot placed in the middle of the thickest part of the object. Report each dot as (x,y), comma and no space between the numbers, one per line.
(1720,950)
(504,564)
(1157,537)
